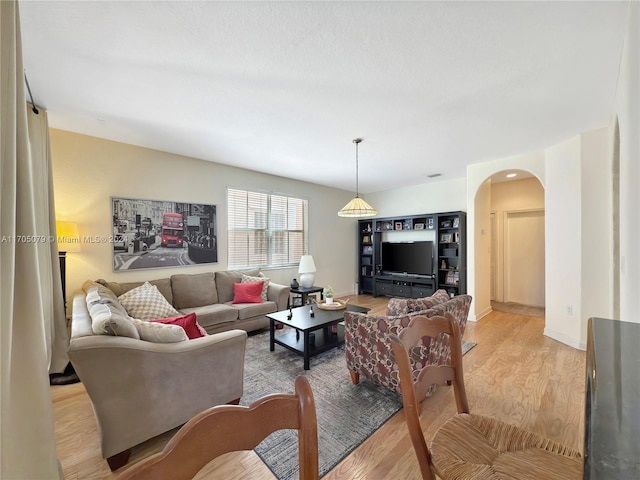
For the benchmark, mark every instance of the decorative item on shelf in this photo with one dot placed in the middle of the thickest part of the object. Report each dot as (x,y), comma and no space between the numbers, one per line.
(456,222)
(367,250)
(445,224)
(419,226)
(328,294)
(336,305)
(398,225)
(366,239)
(307,269)
(430,225)
(456,237)
(294,283)
(443,265)
(357,207)
(446,238)
(450,280)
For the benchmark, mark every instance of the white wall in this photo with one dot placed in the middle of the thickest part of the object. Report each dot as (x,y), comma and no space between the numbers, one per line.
(563,241)
(627,106)
(88,171)
(431,197)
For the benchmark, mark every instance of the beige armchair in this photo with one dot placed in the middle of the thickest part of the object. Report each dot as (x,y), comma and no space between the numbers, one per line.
(141,389)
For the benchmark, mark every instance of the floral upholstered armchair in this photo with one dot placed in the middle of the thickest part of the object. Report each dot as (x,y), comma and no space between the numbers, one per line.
(367,344)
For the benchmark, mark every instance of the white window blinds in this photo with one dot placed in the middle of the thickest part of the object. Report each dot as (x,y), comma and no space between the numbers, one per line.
(265,230)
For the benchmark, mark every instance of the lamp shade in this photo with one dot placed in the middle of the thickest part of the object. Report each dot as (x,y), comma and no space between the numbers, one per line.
(67,237)
(307,269)
(357,207)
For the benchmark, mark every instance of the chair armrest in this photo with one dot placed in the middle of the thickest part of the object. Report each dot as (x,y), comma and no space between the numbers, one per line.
(279,294)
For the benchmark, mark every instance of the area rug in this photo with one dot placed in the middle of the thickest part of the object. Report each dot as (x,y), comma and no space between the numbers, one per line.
(347,414)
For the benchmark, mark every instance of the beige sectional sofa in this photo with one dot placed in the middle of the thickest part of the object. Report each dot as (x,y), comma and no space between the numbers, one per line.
(210,296)
(141,388)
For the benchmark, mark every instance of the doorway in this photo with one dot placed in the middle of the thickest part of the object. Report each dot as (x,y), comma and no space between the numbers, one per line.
(524,258)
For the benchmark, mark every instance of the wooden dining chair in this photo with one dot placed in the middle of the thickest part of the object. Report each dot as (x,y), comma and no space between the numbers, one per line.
(470,446)
(229,428)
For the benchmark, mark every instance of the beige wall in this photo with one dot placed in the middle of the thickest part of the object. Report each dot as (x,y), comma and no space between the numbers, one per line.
(88,171)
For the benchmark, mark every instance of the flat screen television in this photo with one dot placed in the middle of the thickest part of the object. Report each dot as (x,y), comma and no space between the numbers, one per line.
(412,258)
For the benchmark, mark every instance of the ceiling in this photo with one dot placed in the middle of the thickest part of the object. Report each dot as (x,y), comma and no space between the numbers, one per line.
(284,87)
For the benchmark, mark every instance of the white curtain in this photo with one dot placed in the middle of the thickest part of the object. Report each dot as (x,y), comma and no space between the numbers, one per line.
(27,303)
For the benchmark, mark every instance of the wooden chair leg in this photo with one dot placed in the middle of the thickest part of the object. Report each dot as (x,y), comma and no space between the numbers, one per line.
(355,377)
(119,459)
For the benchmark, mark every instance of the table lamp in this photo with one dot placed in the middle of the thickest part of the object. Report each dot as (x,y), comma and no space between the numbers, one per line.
(307,269)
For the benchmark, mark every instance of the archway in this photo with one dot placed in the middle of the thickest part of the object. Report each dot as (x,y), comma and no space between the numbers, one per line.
(509,245)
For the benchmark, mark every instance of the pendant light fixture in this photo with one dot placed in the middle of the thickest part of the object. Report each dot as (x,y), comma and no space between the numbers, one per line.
(357,207)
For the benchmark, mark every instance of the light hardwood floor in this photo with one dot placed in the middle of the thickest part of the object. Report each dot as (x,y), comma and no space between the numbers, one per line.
(514,374)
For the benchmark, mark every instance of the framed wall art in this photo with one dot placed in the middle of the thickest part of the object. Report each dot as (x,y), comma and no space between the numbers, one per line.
(160,234)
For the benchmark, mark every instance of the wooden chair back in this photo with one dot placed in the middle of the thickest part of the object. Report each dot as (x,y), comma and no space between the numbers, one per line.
(228,428)
(415,389)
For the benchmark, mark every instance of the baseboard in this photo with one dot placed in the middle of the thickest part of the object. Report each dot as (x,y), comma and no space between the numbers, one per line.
(560,337)
(483,314)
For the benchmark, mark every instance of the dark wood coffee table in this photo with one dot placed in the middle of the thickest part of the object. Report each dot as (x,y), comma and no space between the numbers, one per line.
(320,325)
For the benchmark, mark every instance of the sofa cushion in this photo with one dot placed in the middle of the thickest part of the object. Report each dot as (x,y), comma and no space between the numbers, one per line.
(188,322)
(209,315)
(247,292)
(402,306)
(106,319)
(146,302)
(163,284)
(194,290)
(248,310)
(260,278)
(159,332)
(226,279)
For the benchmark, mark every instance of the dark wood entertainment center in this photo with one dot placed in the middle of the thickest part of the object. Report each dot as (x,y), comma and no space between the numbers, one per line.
(448,231)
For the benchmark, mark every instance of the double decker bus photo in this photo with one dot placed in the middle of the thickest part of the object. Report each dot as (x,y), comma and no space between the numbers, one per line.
(172,233)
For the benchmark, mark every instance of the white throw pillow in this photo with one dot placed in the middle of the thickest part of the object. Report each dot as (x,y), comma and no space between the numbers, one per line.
(146,302)
(159,332)
(265,283)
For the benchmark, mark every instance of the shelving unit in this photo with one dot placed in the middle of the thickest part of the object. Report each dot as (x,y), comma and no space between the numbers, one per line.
(452,252)
(450,266)
(366,252)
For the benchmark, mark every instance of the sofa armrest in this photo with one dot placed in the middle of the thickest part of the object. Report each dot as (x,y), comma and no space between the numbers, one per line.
(141,389)
(279,294)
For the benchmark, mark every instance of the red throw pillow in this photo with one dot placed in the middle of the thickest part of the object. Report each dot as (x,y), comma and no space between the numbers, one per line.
(188,322)
(247,292)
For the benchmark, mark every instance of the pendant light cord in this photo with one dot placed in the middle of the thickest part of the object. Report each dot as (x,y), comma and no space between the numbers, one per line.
(33,104)
(357,142)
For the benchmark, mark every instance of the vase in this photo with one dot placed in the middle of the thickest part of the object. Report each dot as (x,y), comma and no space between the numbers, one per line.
(294,283)
(329,300)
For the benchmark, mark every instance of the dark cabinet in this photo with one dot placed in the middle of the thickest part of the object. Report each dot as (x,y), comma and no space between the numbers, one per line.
(366,250)
(448,233)
(452,252)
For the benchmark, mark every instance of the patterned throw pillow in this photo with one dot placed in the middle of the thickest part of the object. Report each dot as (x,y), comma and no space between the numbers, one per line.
(159,332)
(261,278)
(146,302)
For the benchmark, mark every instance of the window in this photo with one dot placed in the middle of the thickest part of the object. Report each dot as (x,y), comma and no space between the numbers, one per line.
(265,230)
